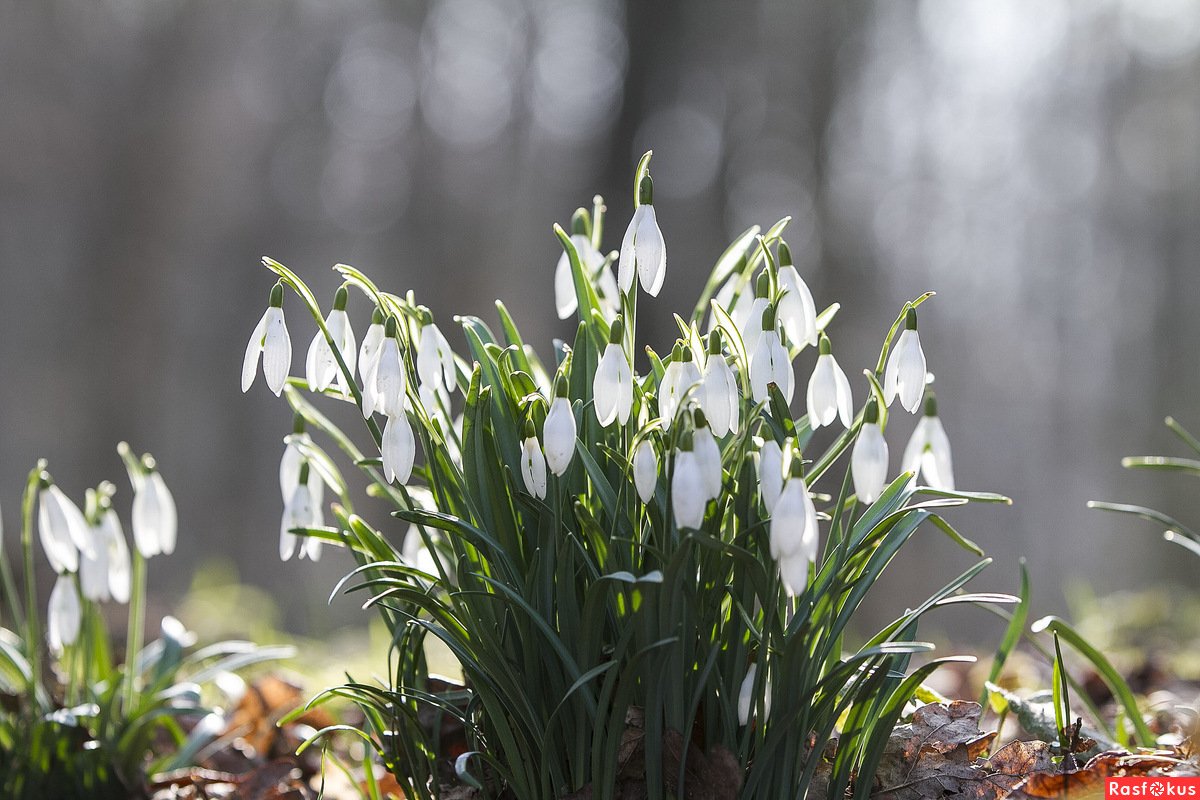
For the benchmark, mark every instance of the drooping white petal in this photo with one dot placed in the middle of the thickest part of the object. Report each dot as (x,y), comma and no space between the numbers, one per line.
(678,378)
(751,328)
(55,529)
(391,384)
(746,704)
(688,495)
(928,453)
(651,251)
(277,351)
(154,516)
(340,330)
(399,449)
(645,470)
(905,373)
(93,570)
(565,301)
(63,615)
(770,473)
(254,349)
(297,513)
(793,570)
(627,270)
(708,456)
(797,311)
(119,568)
(789,519)
(720,397)
(771,364)
(312,361)
(612,387)
(368,353)
(869,463)
(533,467)
(559,431)
(289,465)
(829,393)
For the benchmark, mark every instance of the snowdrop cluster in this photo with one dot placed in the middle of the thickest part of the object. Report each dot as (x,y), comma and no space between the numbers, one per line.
(88,550)
(680,427)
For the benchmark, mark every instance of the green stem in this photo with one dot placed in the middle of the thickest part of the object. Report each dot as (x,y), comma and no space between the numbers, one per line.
(137,622)
(11,598)
(33,631)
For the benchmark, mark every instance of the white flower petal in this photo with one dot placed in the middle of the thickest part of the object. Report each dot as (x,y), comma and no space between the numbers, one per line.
(612,387)
(746,704)
(254,349)
(277,351)
(64,615)
(645,470)
(399,449)
(565,301)
(770,473)
(533,467)
(627,263)
(708,456)
(797,311)
(119,568)
(719,397)
(822,393)
(771,364)
(869,463)
(93,570)
(651,251)
(688,495)
(559,431)
(905,372)
(391,383)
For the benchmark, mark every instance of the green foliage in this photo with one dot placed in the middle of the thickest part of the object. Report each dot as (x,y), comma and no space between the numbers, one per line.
(574,613)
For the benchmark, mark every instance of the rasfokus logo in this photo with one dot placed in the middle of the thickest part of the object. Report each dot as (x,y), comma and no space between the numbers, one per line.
(1152,788)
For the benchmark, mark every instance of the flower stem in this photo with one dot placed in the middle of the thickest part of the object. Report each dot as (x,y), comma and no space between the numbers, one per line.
(33,632)
(137,622)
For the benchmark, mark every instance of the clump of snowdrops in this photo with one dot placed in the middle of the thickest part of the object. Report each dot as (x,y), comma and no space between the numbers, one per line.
(78,720)
(618,544)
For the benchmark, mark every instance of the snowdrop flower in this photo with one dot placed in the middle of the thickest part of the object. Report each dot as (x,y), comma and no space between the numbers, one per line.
(689,496)
(793,532)
(291,463)
(753,325)
(533,464)
(61,529)
(391,382)
(928,451)
(270,340)
(297,513)
(680,376)
(565,301)
(63,615)
(155,522)
(643,250)
(719,396)
(797,311)
(829,391)
(869,460)
(771,363)
(398,448)
(435,359)
(708,456)
(93,569)
(645,469)
(746,696)
(904,375)
(368,361)
(113,537)
(321,367)
(770,473)
(612,388)
(559,430)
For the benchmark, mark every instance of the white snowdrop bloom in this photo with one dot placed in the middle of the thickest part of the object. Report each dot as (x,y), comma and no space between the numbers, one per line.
(559,431)
(155,521)
(679,376)
(63,616)
(708,457)
(565,301)
(271,341)
(612,387)
(829,391)
(391,382)
(771,363)
(770,473)
(904,375)
(746,696)
(93,569)
(689,496)
(533,464)
(62,529)
(869,459)
(398,448)
(435,359)
(797,311)
(297,513)
(645,470)
(752,325)
(320,366)
(793,532)
(719,395)
(928,451)
(119,567)
(368,360)
(290,464)
(643,250)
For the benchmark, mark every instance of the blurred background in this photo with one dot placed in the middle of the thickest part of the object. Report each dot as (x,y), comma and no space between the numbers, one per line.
(1036,163)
